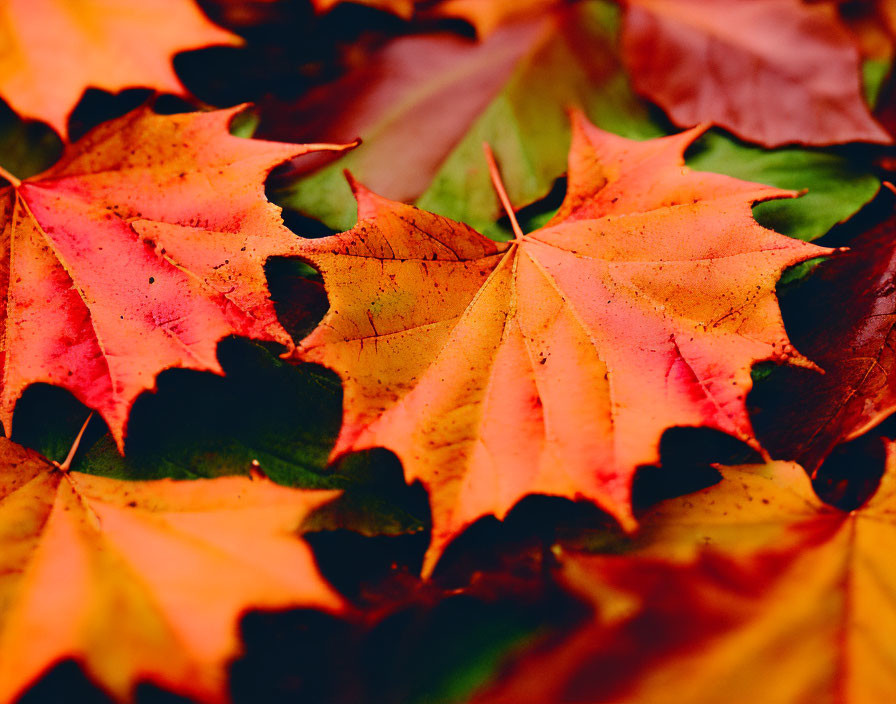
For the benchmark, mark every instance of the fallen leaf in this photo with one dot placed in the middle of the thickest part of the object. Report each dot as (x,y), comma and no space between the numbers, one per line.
(138,251)
(143,581)
(419,133)
(552,364)
(52,52)
(511,90)
(278,416)
(771,71)
(843,319)
(750,590)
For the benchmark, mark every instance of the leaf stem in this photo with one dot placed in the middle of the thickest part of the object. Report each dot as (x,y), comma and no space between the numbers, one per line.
(501,191)
(67,462)
(16,182)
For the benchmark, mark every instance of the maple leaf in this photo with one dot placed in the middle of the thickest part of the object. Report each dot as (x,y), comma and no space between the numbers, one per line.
(363,103)
(771,71)
(52,52)
(143,581)
(138,251)
(754,575)
(842,319)
(511,90)
(552,364)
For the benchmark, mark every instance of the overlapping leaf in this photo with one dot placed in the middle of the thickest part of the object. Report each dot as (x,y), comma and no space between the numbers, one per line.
(750,590)
(512,90)
(51,52)
(843,319)
(552,364)
(138,251)
(771,71)
(142,581)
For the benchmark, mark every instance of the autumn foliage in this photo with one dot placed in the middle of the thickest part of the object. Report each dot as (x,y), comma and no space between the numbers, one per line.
(401,351)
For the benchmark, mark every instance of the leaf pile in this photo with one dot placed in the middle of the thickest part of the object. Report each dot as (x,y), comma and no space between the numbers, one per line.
(498,352)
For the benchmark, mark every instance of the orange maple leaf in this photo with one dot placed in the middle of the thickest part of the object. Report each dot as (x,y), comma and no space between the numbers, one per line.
(51,52)
(754,575)
(143,581)
(552,364)
(771,71)
(138,251)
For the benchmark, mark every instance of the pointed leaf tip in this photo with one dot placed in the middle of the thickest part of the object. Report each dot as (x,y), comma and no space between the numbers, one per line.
(353,183)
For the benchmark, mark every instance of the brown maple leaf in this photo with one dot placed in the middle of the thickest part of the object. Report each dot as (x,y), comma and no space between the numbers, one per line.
(771,71)
(51,52)
(138,251)
(844,319)
(552,364)
(143,581)
(750,590)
